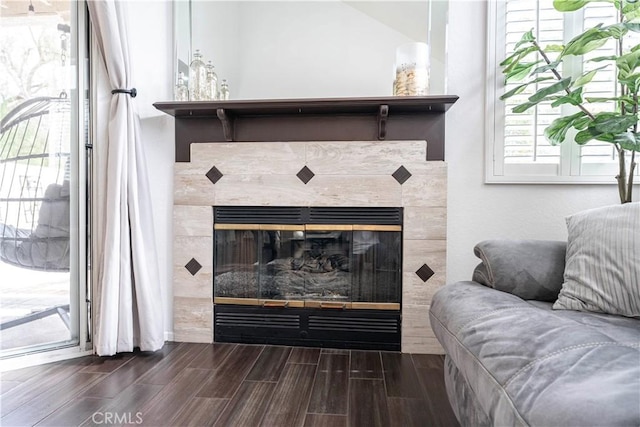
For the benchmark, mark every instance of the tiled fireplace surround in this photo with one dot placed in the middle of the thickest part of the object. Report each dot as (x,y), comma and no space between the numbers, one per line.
(374,173)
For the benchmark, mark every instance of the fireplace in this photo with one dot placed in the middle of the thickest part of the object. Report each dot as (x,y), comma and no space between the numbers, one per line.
(316,157)
(313,276)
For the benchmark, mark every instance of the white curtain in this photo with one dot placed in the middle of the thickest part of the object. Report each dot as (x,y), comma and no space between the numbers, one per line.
(128,307)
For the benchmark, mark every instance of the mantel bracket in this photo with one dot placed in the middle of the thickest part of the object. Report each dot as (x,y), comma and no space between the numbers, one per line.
(227,124)
(383,114)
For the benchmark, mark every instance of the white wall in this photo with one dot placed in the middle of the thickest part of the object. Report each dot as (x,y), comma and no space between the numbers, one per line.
(324,49)
(476,211)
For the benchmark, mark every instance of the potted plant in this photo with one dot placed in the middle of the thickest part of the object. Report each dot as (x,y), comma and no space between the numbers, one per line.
(531,63)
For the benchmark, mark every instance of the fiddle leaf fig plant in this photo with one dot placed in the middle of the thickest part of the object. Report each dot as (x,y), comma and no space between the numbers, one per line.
(533,64)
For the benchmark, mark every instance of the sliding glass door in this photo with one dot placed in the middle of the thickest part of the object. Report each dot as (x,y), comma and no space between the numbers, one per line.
(43,170)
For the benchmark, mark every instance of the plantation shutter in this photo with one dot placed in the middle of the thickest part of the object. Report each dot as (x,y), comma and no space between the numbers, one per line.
(524,141)
(520,151)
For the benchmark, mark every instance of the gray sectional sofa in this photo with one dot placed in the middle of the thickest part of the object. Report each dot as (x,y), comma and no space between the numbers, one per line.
(516,357)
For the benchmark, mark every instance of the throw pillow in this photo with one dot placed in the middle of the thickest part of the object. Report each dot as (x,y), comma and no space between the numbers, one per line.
(602,271)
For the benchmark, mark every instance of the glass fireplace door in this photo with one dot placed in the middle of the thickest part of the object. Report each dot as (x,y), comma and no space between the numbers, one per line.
(312,265)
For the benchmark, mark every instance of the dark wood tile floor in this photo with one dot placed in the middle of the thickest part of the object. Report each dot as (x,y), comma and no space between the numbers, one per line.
(231,385)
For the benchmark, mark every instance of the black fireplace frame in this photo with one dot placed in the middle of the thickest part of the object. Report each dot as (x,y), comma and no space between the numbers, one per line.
(368,329)
(308,327)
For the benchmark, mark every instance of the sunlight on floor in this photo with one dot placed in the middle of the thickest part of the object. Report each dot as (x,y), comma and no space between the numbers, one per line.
(23,292)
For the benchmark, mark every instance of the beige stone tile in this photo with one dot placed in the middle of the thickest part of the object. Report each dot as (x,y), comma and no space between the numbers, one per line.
(419,345)
(189,168)
(362,157)
(193,335)
(415,291)
(192,220)
(415,321)
(415,253)
(198,247)
(261,190)
(424,167)
(429,190)
(193,319)
(250,157)
(198,286)
(194,190)
(428,223)
(354,190)
(417,335)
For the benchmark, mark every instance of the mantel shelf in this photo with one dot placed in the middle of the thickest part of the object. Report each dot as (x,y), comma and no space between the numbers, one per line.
(397,104)
(312,119)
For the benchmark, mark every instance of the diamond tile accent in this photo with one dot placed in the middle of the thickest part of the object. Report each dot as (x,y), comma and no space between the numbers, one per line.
(401,175)
(193,266)
(214,174)
(425,272)
(305,174)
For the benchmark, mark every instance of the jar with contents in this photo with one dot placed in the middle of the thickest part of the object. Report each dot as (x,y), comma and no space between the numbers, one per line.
(412,70)
(181,91)
(224,90)
(197,78)
(212,82)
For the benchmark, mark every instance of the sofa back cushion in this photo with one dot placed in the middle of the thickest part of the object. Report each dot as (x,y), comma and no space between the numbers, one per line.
(602,272)
(530,269)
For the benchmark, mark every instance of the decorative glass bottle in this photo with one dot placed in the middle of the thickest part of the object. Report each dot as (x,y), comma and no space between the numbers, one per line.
(181,90)
(212,82)
(197,78)
(224,90)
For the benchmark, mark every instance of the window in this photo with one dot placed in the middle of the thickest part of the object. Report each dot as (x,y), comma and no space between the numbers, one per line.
(516,149)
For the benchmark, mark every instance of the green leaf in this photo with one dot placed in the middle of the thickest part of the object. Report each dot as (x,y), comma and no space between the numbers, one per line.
(541,94)
(546,67)
(582,122)
(553,48)
(518,55)
(613,123)
(632,82)
(527,37)
(617,31)
(584,136)
(633,26)
(586,78)
(590,40)
(523,107)
(556,132)
(520,71)
(628,140)
(574,98)
(627,63)
(593,100)
(603,58)
(631,10)
(518,89)
(569,5)
(515,91)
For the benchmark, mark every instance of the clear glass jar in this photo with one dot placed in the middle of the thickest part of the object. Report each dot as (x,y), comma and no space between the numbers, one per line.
(224,90)
(212,82)
(197,78)
(181,91)
(412,70)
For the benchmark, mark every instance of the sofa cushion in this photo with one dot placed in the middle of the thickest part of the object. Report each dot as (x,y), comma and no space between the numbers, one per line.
(602,272)
(530,365)
(530,269)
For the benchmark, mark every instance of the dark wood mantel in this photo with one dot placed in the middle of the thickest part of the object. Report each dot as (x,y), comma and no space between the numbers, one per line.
(322,119)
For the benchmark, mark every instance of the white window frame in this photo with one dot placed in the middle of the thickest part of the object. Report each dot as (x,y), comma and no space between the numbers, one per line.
(567,171)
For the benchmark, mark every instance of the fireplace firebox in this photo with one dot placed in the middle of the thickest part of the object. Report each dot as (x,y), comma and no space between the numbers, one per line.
(314,276)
